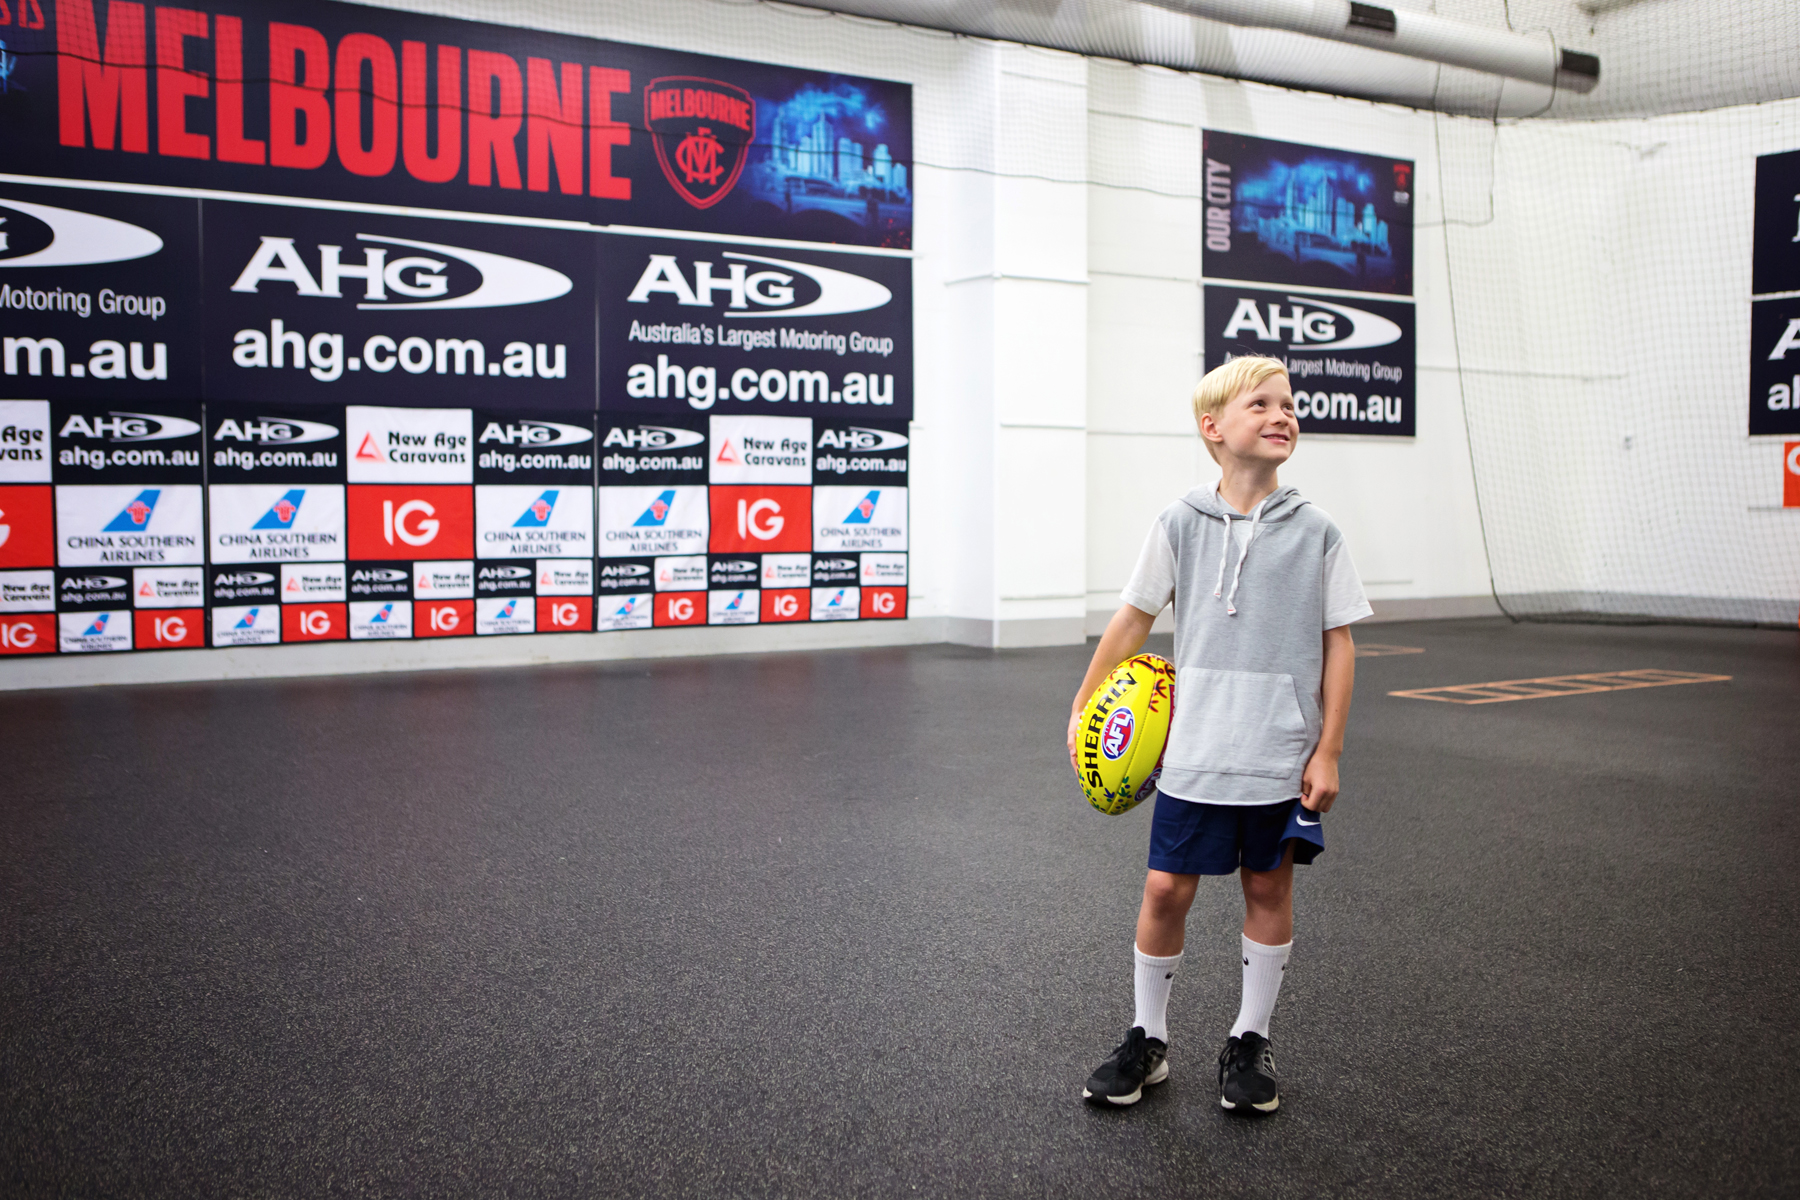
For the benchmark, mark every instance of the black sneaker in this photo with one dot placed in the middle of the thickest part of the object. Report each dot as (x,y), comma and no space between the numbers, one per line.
(1247,1080)
(1121,1078)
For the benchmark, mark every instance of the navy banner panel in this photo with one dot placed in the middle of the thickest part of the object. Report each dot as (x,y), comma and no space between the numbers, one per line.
(1303,219)
(1350,361)
(321,322)
(98,294)
(1306,216)
(340,101)
(689,326)
(1775,313)
(311,306)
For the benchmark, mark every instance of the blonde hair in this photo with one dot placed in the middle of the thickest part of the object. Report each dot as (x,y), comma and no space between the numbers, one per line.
(1224,383)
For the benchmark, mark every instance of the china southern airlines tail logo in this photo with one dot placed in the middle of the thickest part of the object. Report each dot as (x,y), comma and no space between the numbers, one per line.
(249,619)
(506,611)
(136,515)
(76,239)
(382,617)
(412,281)
(1312,324)
(98,628)
(658,512)
(281,514)
(864,510)
(702,130)
(627,608)
(537,514)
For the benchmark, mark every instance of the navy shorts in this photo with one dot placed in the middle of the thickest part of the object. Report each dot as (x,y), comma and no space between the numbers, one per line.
(1190,838)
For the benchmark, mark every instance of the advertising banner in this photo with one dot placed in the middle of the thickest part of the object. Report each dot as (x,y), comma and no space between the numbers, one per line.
(1350,361)
(1306,216)
(1775,320)
(1294,218)
(691,326)
(306,306)
(326,322)
(98,294)
(348,102)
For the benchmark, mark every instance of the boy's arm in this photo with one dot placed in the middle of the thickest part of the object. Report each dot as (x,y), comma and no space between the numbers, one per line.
(1319,784)
(1124,636)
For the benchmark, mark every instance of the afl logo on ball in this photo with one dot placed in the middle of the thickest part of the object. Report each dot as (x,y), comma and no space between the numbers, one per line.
(702,130)
(1116,735)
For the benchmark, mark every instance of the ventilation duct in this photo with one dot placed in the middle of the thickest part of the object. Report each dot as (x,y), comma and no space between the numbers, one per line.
(1534,58)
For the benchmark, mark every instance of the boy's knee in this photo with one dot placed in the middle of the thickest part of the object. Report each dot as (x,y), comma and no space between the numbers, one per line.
(1268,889)
(1166,893)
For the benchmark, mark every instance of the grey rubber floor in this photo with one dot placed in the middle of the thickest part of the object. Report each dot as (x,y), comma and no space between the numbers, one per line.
(840,925)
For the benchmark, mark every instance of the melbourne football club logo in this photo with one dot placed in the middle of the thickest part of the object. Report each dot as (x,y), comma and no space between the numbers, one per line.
(702,130)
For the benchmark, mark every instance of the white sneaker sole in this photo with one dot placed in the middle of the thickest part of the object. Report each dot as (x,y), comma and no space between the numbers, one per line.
(1271,1106)
(1157,1076)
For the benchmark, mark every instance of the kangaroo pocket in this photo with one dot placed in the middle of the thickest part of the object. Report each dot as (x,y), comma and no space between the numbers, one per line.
(1237,723)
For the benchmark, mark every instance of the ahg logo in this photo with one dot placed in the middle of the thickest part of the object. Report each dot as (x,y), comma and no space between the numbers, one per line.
(79,239)
(1313,324)
(421,281)
(772,293)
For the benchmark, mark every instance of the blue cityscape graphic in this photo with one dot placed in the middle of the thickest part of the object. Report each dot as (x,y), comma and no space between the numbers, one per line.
(1320,210)
(829,149)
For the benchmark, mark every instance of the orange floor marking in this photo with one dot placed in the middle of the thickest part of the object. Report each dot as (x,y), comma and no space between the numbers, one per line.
(1382,650)
(1557,685)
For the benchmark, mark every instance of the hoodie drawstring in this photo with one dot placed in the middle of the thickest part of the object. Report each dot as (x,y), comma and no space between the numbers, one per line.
(1224,556)
(1238,575)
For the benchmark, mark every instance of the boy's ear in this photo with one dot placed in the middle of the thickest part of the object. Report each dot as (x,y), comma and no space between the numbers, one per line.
(1209,428)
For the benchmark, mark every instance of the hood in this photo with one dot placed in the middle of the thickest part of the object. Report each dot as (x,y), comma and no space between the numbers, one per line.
(1280,504)
(1275,508)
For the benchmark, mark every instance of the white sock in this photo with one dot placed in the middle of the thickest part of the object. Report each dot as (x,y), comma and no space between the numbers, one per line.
(1263,968)
(1154,977)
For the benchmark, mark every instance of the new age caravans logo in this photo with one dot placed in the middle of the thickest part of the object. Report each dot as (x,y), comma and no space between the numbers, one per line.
(702,130)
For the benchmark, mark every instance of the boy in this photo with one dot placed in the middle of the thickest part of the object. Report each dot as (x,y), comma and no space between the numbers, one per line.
(1264,594)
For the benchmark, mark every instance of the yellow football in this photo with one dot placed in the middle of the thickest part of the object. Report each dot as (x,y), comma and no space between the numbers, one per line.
(1124,728)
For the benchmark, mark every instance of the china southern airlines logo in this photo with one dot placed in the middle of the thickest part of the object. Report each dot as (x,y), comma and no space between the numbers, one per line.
(864,510)
(759,293)
(76,239)
(136,515)
(537,513)
(281,514)
(658,512)
(98,628)
(1312,324)
(248,621)
(506,611)
(410,281)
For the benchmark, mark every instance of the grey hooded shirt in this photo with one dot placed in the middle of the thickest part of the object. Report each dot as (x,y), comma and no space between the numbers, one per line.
(1250,607)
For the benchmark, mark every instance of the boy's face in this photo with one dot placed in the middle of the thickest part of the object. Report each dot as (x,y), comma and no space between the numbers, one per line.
(1258,425)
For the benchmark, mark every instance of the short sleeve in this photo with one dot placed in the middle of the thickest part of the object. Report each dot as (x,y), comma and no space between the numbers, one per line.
(1152,584)
(1344,598)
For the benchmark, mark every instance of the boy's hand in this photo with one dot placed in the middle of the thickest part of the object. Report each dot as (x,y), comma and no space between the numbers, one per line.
(1074,724)
(1319,783)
